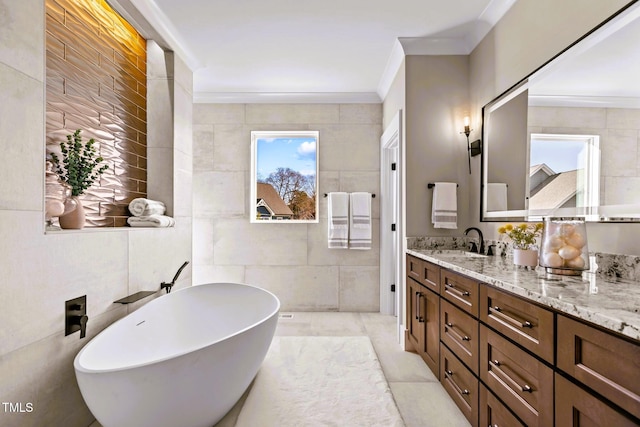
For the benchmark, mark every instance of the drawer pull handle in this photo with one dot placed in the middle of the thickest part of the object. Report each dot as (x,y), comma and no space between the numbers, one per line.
(514,384)
(458,389)
(456,334)
(452,288)
(497,311)
(419,318)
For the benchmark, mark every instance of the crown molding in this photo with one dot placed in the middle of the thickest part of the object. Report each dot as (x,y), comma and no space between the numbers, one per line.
(286,98)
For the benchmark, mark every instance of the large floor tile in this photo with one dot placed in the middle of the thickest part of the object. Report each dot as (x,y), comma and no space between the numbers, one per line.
(426,404)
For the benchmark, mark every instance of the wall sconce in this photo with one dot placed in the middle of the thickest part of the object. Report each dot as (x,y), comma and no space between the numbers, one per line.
(474,148)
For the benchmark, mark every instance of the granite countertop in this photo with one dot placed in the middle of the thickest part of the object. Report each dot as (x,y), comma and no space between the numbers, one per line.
(609,302)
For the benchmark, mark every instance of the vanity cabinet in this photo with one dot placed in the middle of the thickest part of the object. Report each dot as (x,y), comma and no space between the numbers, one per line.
(509,361)
(423,309)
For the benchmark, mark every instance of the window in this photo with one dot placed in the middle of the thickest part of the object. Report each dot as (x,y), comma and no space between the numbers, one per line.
(284,176)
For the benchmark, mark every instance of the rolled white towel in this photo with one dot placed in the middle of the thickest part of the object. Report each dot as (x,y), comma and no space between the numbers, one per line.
(146,207)
(151,221)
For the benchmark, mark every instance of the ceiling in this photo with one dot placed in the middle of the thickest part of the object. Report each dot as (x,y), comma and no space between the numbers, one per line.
(322,51)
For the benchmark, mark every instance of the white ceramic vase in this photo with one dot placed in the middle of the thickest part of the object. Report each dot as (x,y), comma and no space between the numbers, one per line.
(525,257)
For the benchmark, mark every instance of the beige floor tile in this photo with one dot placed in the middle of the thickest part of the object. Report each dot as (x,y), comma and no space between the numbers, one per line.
(426,404)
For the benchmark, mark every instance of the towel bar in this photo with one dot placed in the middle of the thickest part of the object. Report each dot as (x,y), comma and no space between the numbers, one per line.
(373,195)
(431,185)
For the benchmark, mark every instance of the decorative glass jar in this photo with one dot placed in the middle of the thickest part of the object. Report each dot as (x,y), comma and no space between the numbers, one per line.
(564,246)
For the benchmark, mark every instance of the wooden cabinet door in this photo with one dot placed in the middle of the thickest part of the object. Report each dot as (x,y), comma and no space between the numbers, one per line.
(576,407)
(432,332)
(415,310)
(528,324)
(423,308)
(522,382)
(604,362)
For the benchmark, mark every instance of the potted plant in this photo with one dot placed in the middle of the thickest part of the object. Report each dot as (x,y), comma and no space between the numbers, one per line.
(524,238)
(80,168)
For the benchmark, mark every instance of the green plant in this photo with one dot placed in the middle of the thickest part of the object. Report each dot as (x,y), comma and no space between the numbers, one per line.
(523,235)
(80,165)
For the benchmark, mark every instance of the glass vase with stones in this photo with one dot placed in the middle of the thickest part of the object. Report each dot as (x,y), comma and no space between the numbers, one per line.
(564,248)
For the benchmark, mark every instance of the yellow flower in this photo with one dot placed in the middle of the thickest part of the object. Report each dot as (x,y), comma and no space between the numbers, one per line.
(523,235)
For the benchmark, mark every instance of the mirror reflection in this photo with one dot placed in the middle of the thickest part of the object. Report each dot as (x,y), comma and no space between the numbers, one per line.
(565,141)
(284,171)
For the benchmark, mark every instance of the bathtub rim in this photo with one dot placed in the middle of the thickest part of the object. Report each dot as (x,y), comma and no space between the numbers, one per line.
(84,370)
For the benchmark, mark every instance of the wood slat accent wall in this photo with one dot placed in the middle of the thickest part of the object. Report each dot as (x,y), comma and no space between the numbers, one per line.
(96,81)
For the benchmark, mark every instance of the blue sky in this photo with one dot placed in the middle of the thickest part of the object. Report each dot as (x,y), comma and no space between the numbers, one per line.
(561,156)
(297,153)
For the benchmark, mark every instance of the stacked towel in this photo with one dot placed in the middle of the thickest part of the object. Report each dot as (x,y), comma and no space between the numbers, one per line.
(496,196)
(338,207)
(444,209)
(146,207)
(151,221)
(360,221)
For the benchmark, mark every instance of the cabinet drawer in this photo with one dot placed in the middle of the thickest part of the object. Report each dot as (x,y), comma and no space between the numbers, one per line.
(459,332)
(424,272)
(431,276)
(460,290)
(576,407)
(525,323)
(460,383)
(606,363)
(414,267)
(522,382)
(493,413)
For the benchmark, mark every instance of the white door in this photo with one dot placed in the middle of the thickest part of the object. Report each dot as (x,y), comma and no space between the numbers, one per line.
(390,220)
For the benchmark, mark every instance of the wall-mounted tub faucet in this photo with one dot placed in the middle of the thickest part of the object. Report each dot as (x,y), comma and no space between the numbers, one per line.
(75,316)
(480,249)
(167,286)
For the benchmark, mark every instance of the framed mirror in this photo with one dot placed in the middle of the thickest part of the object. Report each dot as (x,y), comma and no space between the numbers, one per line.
(565,141)
(284,176)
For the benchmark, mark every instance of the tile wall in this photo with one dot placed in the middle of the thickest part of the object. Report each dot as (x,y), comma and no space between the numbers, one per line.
(291,260)
(38,271)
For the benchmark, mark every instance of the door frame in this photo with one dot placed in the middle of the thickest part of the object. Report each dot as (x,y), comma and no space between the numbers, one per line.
(391,211)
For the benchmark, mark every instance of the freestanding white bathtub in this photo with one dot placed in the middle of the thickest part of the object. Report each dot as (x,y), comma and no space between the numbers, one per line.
(182,360)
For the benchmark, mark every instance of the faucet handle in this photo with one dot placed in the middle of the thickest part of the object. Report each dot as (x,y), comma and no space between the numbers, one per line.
(474,247)
(491,250)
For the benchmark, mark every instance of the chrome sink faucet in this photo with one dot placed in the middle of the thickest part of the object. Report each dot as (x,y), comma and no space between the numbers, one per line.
(474,248)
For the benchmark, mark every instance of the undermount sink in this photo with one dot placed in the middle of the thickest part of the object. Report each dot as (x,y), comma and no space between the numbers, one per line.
(457,253)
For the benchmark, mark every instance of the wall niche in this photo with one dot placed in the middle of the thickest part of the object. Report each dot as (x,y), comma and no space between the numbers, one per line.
(96,81)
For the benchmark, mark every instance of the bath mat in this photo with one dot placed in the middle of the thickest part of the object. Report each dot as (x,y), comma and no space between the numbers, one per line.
(320,381)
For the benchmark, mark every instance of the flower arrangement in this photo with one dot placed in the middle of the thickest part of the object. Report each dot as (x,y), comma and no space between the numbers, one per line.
(80,165)
(523,235)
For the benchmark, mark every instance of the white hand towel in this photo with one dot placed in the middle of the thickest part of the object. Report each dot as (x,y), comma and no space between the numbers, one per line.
(146,207)
(496,196)
(360,221)
(444,209)
(151,221)
(338,213)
